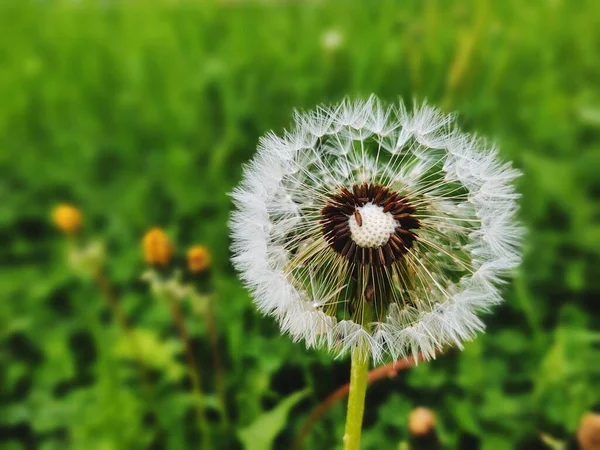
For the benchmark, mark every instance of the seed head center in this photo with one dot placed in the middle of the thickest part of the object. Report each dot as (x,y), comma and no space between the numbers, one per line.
(370,227)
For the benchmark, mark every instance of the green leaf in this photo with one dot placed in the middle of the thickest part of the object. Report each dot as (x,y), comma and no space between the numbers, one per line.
(147,346)
(260,434)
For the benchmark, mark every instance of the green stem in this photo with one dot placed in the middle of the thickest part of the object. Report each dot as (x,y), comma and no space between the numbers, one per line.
(108,293)
(214,345)
(359,371)
(192,370)
(356,399)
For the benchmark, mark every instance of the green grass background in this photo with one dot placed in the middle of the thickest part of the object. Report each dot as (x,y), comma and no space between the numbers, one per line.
(143,112)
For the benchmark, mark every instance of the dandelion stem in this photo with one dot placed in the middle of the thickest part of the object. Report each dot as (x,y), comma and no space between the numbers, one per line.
(192,369)
(356,400)
(359,373)
(390,370)
(112,302)
(214,344)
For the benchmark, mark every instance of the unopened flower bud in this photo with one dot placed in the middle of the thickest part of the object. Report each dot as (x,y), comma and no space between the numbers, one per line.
(588,433)
(198,259)
(332,40)
(157,247)
(421,421)
(67,218)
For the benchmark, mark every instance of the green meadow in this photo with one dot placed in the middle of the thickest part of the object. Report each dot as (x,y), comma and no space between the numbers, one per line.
(142,114)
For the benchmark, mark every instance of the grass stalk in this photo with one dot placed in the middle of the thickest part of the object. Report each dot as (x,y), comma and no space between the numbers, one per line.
(193,372)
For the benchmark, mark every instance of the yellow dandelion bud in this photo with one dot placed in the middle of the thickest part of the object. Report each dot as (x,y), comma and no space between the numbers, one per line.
(421,421)
(67,218)
(198,259)
(157,247)
(588,433)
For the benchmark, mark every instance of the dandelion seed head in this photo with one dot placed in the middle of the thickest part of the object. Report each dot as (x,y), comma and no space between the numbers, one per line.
(376,227)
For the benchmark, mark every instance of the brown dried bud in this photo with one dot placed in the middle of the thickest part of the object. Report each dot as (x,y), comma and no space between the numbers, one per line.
(157,247)
(198,259)
(67,218)
(421,421)
(588,433)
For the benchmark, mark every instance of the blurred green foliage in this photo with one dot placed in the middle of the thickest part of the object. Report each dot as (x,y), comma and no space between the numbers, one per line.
(142,114)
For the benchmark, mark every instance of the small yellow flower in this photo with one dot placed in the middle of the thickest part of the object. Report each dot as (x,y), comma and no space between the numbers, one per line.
(67,218)
(198,259)
(157,247)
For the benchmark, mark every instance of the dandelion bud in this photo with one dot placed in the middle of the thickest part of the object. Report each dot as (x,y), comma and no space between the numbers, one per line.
(421,426)
(421,421)
(198,259)
(332,40)
(67,218)
(588,433)
(157,247)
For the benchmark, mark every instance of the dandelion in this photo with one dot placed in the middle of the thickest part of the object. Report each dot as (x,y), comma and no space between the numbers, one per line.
(376,228)
(198,259)
(158,250)
(67,218)
(332,40)
(376,231)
